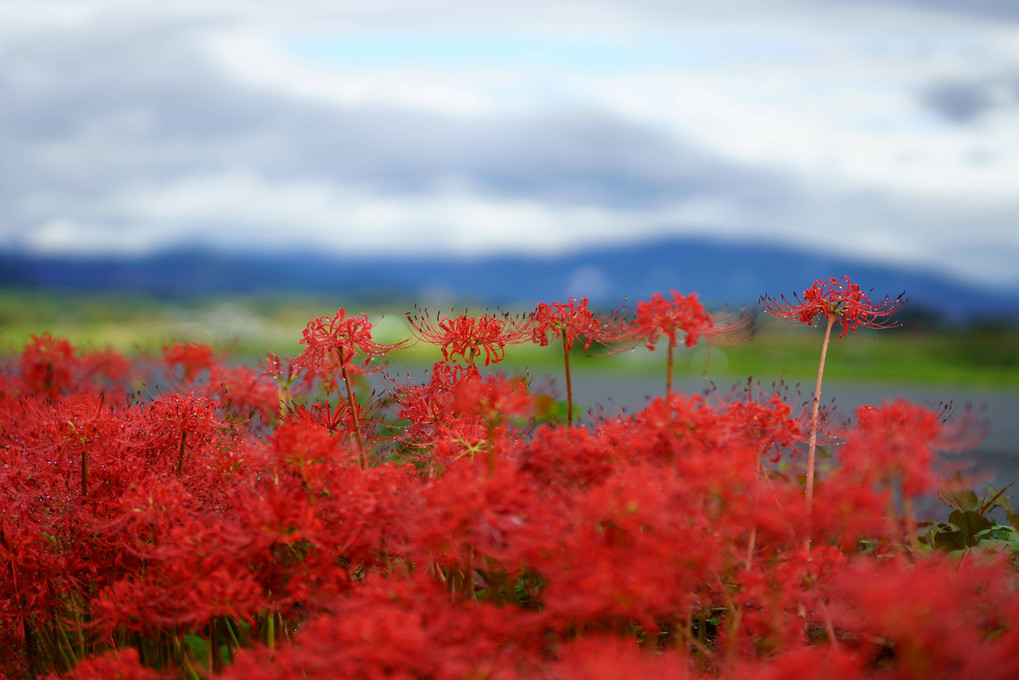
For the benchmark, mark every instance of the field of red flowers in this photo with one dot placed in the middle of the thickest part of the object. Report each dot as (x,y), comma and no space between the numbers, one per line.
(178,516)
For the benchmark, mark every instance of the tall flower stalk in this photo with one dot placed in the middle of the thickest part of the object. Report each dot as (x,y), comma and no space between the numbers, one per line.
(837,301)
(685,318)
(343,343)
(567,321)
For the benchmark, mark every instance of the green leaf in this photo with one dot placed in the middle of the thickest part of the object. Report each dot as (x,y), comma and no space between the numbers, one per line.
(995,545)
(998,499)
(199,647)
(970,523)
(950,540)
(1002,534)
(955,495)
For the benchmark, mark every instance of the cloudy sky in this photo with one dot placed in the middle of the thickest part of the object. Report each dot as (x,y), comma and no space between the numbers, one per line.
(881,128)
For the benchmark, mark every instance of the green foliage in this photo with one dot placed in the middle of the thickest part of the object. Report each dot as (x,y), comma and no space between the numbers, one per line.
(969,525)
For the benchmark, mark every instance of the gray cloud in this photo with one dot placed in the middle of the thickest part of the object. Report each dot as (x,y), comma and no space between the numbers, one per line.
(88,113)
(132,106)
(965,102)
(993,10)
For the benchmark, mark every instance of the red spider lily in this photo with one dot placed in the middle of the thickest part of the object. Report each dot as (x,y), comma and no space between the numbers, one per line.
(567,320)
(179,423)
(900,440)
(654,544)
(687,316)
(971,602)
(460,407)
(469,336)
(899,444)
(839,301)
(192,357)
(430,407)
(243,391)
(116,664)
(47,365)
(763,420)
(401,628)
(336,342)
(660,316)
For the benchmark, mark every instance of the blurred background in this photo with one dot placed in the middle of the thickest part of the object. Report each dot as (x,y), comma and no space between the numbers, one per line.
(225,171)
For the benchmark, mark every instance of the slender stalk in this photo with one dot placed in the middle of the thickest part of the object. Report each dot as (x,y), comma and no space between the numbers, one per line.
(569,383)
(65,647)
(84,472)
(353,414)
(214,659)
(284,398)
(180,455)
(829,628)
(490,447)
(812,444)
(907,511)
(668,368)
(469,584)
(189,670)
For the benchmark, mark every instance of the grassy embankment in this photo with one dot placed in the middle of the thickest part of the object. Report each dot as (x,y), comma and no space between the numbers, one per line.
(248,327)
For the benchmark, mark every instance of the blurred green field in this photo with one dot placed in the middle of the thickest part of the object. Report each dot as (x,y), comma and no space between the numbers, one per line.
(249,327)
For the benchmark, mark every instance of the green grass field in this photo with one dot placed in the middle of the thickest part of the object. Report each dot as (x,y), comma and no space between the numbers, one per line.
(248,327)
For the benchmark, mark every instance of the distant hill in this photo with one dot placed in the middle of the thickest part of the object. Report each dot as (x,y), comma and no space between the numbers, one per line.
(721,272)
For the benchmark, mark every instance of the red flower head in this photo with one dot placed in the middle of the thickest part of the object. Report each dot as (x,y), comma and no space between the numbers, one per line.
(839,300)
(567,320)
(336,342)
(192,357)
(469,336)
(661,316)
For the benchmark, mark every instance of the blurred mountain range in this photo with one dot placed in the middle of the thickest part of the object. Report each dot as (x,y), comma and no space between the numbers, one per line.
(721,272)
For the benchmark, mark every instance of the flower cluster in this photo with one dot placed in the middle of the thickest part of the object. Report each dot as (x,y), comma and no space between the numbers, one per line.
(186,533)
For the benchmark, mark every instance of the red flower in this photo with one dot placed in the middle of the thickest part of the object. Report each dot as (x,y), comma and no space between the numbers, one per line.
(842,301)
(661,316)
(336,342)
(566,319)
(192,357)
(468,336)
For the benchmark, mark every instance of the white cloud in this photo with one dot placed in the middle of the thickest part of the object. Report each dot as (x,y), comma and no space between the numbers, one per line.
(888,130)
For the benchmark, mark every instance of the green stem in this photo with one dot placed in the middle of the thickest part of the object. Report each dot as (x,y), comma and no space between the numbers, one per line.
(668,368)
(215,660)
(490,448)
(907,511)
(189,670)
(569,383)
(180,454)
(84,472)
(230,626)
(812,444)
(353,415)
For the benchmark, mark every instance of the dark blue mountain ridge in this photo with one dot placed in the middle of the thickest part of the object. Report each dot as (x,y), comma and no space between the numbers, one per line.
(720,272)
